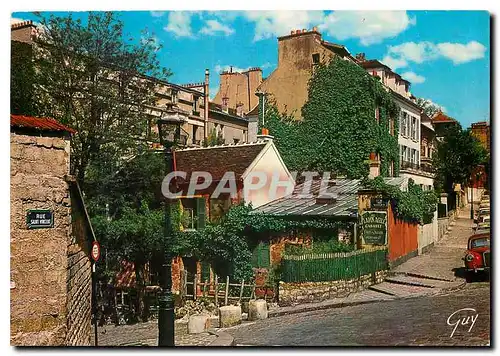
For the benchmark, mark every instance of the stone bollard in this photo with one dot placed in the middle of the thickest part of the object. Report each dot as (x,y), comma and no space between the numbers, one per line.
(257,309)
(197,324)
(229,315)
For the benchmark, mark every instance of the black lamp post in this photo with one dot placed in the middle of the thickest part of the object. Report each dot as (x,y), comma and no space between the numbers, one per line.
(169,133)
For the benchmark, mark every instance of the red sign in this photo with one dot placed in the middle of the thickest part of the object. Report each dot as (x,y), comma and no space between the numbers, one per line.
(96,251)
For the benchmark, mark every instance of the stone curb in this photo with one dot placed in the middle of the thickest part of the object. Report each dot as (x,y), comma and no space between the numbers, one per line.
(360,302)
(223,339)
(305,309)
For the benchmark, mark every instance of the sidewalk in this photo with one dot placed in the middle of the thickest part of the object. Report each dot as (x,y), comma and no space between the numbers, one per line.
(443,260)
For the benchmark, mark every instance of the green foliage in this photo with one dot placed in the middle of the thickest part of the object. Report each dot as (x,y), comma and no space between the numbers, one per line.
(429,107)
(457,156)
(411,205)
(339,129)
(228,243)
(90,77)
(213,139)
(21,80)
(331,246)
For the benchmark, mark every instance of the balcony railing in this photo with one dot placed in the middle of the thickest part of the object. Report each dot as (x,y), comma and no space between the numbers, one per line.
(422,167)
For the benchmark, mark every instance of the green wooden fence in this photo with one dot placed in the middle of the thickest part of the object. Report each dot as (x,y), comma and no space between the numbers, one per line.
(333,266)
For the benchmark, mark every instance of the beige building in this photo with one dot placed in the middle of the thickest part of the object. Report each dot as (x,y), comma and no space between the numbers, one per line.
(186,103)
(237,90)
(298,53)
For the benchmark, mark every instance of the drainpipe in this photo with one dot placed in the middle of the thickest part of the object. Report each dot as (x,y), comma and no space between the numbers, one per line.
(206,103)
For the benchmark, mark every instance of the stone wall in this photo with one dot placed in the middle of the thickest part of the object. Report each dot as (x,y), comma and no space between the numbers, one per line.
(311,292)
(50,303)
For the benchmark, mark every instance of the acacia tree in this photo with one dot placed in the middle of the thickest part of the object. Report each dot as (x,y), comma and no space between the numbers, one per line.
(457,156)
(89,76)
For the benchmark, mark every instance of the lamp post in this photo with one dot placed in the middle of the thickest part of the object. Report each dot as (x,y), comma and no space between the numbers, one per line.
(169,133)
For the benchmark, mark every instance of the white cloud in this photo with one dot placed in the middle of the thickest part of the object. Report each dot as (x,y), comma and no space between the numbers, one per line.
(421,52)
(179,23)
(270,24)
(460,53)
(369,26)
(157,13)
(213,27)
(413,77)
(394,63)
(415,52)
(267,65)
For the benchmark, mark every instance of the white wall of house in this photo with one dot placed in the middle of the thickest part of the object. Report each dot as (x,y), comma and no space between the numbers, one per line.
(409,133)
(269,164)
(425,182)
(428,234)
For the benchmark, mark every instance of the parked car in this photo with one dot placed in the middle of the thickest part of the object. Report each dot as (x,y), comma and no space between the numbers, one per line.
(477,256)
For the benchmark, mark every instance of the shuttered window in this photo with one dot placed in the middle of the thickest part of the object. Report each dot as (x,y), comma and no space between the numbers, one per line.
(261,257)
(200,213)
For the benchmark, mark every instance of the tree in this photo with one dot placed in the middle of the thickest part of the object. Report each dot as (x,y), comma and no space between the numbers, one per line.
(457,156)
(213,139)
(340,128)
(21,80)
(92,78)
(127,213)
(430,109)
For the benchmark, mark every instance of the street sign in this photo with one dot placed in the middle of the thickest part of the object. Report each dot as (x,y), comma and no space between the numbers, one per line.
(374,227)
(39,219)
(378,203)
(96,251)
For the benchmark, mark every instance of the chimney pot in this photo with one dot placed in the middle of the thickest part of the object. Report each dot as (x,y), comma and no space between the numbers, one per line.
(315,29)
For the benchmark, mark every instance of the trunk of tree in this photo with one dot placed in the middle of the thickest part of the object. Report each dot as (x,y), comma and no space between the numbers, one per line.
(140,309)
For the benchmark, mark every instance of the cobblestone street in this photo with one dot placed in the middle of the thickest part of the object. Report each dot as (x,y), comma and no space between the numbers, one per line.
(146,334)
(403,322)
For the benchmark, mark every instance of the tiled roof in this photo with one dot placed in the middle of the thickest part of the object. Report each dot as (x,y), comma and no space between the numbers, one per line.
(44,124)
(218,160)
(344,206)
(441,117)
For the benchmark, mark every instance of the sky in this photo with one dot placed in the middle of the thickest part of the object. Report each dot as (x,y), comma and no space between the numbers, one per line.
(444,54)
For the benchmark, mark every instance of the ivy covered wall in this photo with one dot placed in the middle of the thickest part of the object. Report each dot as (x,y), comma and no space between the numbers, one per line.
(339,128)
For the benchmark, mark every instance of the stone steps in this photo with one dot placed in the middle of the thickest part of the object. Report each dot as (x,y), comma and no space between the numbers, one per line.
(400,290)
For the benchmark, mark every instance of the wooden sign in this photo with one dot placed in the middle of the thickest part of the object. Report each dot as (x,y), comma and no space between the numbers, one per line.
(39,219)
(374,227)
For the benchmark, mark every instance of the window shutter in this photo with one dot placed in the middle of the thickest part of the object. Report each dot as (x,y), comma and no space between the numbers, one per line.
(200,212)
(261,257)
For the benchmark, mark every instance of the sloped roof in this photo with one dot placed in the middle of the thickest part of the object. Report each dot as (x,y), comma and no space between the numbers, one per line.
(217,160)
(345,205)
(441,117)
(44,124)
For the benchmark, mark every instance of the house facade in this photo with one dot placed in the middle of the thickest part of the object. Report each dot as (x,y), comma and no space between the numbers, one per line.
(410,122)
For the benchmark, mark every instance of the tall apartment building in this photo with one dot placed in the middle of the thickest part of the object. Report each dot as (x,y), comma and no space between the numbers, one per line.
(410,121)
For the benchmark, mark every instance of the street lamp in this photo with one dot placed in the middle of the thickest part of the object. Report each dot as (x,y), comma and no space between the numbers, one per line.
(169,131)
(478,176)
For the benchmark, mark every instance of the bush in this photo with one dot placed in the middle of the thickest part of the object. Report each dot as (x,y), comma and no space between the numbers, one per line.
(331,246)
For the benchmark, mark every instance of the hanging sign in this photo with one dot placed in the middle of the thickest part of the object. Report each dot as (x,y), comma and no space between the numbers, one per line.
(96,251)
(374,227)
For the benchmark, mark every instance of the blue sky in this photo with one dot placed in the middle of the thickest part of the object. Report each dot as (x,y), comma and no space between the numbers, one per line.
(445,54)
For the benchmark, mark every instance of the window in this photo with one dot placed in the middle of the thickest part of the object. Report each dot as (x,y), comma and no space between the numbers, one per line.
(414,128)
(194,138)
(236,140)
(222,131)
(413,156)
(377,114)
(195,105)
(401,123)
(402,152)
(175,98)
(417,154)
(315,58)
(261,256)
(193,213)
